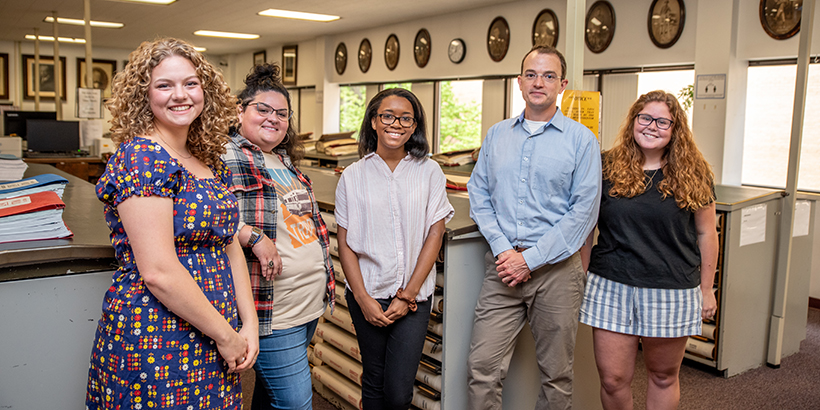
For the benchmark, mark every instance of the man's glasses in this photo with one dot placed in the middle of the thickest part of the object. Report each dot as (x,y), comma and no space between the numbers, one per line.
(265,110)
(663,123)
(549,77)
(389,119)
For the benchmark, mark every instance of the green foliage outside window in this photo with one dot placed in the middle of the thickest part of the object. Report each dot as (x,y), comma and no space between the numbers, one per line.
(351,109)
(460,124)
(406,86)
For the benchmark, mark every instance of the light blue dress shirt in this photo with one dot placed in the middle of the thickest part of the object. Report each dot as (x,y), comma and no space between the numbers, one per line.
(539,191)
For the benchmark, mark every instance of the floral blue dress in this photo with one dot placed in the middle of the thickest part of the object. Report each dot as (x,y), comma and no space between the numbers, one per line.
(144,356)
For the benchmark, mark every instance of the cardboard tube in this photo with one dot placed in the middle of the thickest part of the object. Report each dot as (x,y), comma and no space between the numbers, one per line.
(701,348)
(423,402)
(339,339)
(340,317)
(339,385)
(339,361)
(708,331)
(429,378)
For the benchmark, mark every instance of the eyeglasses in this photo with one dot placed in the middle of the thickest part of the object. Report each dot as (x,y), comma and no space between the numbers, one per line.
(389,119)
(548,77)
(663,123)
(265,110)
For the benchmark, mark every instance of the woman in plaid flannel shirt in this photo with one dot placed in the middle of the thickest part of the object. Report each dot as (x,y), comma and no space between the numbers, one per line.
(285,239)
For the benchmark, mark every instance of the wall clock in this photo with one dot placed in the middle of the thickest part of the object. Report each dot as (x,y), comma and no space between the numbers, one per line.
(456,50)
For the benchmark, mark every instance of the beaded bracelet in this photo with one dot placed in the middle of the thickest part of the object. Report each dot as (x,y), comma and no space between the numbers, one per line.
(410,302)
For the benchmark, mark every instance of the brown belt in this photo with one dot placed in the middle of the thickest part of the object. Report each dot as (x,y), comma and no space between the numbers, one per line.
(520,249)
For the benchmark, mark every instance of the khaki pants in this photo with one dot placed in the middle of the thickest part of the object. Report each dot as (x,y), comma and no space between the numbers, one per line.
(549,302)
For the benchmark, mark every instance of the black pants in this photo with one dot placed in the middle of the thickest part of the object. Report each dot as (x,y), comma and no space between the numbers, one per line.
(390,355)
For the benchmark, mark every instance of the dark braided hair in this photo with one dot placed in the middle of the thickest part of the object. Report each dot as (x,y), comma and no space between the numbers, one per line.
(263,78)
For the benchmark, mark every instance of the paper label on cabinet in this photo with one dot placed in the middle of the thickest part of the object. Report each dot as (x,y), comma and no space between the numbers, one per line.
(802,216)
(753,224)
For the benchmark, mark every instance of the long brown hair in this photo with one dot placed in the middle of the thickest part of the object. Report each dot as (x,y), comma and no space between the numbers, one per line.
(131,109)
(687,176)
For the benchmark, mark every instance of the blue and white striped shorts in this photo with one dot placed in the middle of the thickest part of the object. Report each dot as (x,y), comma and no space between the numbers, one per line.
(637,311)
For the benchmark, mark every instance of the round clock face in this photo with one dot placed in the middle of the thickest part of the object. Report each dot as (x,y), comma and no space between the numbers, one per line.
(391,52)
(365,55)
(341,58)
(456,50)
(421,48)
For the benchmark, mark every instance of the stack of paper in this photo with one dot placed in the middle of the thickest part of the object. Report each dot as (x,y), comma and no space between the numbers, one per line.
(454,158)
(33,217)
(40,183)
(11,167)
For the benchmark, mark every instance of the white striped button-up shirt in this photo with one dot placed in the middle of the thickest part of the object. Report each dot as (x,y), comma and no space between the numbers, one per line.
(388,215)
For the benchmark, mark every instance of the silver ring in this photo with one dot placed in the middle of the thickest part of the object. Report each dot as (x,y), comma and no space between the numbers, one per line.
(242,360)
(270,264)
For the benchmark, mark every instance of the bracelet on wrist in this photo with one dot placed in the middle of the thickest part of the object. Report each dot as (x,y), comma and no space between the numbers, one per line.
(410,302)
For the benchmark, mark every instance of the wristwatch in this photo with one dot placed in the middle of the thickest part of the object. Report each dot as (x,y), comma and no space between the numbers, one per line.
(256,235)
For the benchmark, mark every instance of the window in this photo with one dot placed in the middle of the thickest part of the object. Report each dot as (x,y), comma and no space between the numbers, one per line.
(460,115)
(672,82)
(769,108)
(352,105)
(406,86)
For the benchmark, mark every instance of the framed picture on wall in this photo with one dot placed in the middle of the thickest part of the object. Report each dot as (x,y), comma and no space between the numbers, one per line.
(600,26)
(365,55)
(4,76)
(781,18)
(421,48)
(498,39)
(545,28)
(102,72)
(340,58)
(665,22)
(260,57)
(289,65)
(391,52)
(47,77)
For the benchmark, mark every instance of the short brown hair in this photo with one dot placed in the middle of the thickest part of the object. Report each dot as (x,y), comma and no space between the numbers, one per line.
(545,49)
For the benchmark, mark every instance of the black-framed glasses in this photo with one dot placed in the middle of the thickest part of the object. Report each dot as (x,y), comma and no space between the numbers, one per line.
(549,77)
(646,119)
(389,119)
(265,110)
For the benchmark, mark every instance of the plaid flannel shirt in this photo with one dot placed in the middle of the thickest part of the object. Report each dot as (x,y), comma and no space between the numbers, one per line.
(253,187)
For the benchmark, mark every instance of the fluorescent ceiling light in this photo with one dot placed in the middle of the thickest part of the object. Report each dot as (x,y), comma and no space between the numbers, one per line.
(161,2)
(77,22)
(298,15)
(225,34)
(201,49)
(62,39)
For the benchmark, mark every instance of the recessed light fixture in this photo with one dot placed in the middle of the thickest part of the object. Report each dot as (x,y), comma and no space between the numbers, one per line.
(225,34)
(201,49)
(287,14)
(160,2)
(62,39)
(77,22)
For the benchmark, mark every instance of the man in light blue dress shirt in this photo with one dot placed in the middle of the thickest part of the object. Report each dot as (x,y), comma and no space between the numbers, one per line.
(534,194)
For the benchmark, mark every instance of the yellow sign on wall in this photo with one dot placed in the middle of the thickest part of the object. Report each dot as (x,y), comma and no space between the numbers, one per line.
(584,107)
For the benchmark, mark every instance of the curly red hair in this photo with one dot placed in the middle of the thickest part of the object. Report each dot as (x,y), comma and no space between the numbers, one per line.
(687,176)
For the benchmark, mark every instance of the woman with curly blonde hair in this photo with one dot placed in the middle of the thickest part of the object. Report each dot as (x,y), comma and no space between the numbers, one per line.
(169,334)
(651,272)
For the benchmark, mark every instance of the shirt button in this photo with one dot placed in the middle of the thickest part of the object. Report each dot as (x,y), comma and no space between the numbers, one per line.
(520,223)
(526,159)
(523,179)
(520,201)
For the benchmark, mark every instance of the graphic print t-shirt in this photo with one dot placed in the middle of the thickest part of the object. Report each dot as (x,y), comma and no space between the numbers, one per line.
(300,290)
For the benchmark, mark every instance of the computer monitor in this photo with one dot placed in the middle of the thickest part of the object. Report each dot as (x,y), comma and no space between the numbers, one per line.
(14,122)
(53,136)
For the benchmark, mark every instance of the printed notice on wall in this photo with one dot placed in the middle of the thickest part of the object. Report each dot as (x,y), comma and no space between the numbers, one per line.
(802,215)
(89,103)
(584,107)
(752,224)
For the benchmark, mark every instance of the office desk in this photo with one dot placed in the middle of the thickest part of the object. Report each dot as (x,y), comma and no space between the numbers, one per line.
(85,168)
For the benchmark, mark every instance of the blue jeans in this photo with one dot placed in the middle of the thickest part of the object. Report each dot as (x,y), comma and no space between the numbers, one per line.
(390,355)
(282,371)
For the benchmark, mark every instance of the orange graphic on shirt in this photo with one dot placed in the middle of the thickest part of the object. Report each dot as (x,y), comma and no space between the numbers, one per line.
(300,227)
